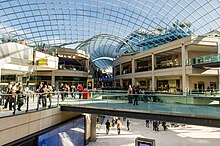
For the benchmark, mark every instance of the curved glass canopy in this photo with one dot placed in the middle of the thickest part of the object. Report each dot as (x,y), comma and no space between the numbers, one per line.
(106,28)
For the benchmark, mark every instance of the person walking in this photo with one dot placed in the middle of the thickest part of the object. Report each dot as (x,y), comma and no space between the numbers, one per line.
(129,94)
(154,125)
(73,90)
(128,124)
(62,90)
(136,94)
(8,97)
(80,90)
(49,95)
(119,126)
(113,121)
(20,97)
(107,125)
(147,123)
(12,102)
(164,126)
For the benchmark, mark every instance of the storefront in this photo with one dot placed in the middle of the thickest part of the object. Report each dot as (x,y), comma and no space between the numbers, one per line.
(172,85)
(127,82)
(144,84)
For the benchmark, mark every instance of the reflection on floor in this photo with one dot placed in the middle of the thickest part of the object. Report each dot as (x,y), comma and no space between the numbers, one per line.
(188,135)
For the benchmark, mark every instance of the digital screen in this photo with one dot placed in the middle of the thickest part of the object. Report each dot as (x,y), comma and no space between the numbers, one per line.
(143,144)
(71,134)
(140,141)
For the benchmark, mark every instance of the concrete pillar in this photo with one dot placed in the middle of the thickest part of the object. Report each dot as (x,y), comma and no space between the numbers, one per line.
(19,78)
(218,80)
(0,75)
(181,80)
(87,65)
(120,66)
(185,79)
(133,67)
(153,76)
(93,128)
(121,82)
(52,78)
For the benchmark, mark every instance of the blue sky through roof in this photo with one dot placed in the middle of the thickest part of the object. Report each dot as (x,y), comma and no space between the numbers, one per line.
(55,22)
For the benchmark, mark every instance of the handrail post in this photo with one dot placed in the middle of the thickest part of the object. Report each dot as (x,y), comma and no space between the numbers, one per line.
(58,98)
(27,104)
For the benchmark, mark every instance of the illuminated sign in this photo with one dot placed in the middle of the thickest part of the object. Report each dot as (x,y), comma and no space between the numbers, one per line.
(42,61)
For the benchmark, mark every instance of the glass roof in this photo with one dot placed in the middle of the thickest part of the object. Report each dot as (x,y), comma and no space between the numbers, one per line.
(106,28)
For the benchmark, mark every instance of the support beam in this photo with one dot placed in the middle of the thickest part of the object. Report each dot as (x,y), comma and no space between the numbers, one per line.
(121,83)
(133,66)
(93,128)
(185,80)
(52,78)
(212,121)
(218,79)
(153,76)
(120,67)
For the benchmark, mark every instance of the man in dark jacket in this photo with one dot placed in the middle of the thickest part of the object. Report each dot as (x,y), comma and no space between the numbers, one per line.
(107,124)
(135,95)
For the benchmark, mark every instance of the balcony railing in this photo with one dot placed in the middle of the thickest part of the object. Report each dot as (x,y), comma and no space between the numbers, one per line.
(72,67)
(203,59)
(197,104)
(143,68)
(126,71)
(163,66)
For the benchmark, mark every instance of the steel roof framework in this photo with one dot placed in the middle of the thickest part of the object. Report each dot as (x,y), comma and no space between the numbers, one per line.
(59,22)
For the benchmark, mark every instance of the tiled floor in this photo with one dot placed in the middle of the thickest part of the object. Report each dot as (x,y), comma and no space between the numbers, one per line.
(188,135)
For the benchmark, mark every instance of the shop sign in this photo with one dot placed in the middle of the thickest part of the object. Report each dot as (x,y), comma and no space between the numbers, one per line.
(42,61)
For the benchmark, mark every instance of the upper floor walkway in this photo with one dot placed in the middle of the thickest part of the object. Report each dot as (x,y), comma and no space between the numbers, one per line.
(198,109)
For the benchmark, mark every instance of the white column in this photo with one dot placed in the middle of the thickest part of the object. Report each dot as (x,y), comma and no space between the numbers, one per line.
(120,66)
(218,80)
(121,82)
(133,66)
(153,76)
(52,78)
(185,79)
(0,75)
(87,65)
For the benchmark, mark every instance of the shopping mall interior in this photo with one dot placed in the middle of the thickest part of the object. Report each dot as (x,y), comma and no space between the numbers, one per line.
(102,73)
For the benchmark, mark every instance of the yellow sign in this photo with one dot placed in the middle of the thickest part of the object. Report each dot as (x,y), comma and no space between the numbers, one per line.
(42,61)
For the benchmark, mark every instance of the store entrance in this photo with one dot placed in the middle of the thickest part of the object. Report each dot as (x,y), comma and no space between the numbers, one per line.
(201,86)
(126,83)
(171,85)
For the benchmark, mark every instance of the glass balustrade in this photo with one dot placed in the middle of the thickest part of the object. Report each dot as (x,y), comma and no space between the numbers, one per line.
(71,67)
(203,59)
(187,104)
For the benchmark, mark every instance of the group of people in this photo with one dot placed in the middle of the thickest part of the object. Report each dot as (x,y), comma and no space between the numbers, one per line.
(156,125)
(45,92)
(15,96)
(116,122)
(133,94)
(65,89)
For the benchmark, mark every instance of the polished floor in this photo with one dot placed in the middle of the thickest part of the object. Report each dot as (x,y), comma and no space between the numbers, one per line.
(188,135)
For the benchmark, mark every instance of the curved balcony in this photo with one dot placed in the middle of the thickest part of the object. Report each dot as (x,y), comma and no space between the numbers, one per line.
(211,59)
(72,67)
